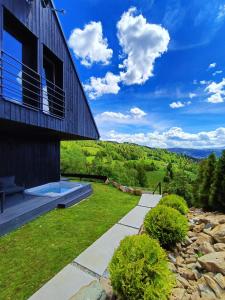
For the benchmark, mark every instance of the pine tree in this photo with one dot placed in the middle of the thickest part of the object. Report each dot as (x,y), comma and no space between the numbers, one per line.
(217,194)
(207,180)
(199,182)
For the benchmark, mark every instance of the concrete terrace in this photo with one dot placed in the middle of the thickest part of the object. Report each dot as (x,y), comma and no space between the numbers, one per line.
(93,262)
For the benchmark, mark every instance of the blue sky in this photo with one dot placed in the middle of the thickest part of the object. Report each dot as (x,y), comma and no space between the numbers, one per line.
(153,71)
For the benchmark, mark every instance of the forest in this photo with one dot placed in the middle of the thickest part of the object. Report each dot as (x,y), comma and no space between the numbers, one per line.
(131,165)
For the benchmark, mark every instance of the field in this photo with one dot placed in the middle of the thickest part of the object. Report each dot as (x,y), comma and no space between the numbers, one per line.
(33,254)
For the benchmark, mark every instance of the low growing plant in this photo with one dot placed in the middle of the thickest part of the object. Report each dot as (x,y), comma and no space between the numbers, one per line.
(139,270)
(176,202)
(166,225)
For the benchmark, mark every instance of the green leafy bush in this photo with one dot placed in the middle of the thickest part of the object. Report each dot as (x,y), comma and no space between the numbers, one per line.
(176,202)
(139,270)
(166,224)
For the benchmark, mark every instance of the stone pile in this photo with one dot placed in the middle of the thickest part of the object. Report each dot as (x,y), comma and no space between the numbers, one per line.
(199,262)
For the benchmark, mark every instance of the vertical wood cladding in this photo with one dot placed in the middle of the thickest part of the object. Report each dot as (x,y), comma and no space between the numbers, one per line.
(43,23)
(32,162)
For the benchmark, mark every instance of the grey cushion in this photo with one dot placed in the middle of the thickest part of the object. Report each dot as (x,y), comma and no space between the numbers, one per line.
(8,181)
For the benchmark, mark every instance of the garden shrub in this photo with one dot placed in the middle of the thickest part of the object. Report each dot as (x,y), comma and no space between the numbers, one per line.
(176,202)
(166,225)
(139,270)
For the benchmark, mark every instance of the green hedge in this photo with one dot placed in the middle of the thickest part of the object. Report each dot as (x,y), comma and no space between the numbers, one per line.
(176,202)
(166,225)
(139,270)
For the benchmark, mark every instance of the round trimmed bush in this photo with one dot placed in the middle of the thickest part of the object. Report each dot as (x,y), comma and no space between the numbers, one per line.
(139,270)
(176,202)
(166,225)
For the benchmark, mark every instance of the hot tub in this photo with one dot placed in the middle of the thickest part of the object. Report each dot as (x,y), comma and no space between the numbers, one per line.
(54,189)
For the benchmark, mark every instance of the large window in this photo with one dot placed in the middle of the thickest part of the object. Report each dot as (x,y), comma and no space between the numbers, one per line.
(52,84)
(20,80)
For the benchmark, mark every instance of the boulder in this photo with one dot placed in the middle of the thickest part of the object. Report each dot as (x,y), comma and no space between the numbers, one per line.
(220,279)
(177,294)
(187,273)
(218,233)
(213,285)
(219,247)
(206,248)
(213,262)
(93,291)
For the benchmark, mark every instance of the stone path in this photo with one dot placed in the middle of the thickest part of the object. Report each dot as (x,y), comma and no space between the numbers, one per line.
(93,262)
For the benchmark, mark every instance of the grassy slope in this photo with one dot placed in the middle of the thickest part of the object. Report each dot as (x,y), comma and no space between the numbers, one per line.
(33,254)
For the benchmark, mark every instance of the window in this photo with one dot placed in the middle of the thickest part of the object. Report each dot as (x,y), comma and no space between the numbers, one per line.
(12,71)
(52,84)
(21,82)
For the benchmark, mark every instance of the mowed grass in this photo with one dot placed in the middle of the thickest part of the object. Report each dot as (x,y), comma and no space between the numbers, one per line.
(33,254)
(154,177)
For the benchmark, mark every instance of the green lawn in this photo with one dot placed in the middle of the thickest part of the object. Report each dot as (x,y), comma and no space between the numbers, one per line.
(33,254)
(154,177)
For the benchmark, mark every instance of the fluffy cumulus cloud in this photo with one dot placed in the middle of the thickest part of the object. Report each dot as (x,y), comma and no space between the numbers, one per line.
(97,86)
(192,95)
(179,104)
(89,44)
(212,65)
(142,43)
(174,137)
(216,91)
(134,116)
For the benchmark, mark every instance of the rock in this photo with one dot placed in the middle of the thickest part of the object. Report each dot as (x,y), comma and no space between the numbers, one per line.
(213,285)
(172,267)
(172,258)
(179,260)
(218,233)
(191,259)
(93,291)
(106,285)
(213,262)
(177,294)
(191,234)
(195,296)
(187,273)
(219,247)
(183,281)
(199,228)
(206,248)
(205,291)
(220,279)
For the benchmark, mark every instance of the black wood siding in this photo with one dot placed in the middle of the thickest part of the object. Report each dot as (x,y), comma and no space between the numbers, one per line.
(43,23)
(32,162)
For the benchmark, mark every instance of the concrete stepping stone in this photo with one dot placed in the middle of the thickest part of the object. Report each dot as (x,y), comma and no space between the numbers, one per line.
(97,257)
(149,200)
(64,285)
(135,217)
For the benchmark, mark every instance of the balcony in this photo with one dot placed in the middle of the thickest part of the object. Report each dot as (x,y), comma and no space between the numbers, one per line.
(22,85)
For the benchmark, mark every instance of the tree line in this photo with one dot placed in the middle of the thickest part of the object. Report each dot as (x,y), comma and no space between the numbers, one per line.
(209,188)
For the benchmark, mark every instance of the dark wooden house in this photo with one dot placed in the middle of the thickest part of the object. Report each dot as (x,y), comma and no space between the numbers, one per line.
(41,97)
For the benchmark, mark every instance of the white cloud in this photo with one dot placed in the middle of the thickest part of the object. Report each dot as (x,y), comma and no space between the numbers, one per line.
(89,44)
(97,86)
(216,91)
(215,98)
(137,112)
(203,82)
(142,43)
(221,12)
(212,65)
(134,116)
(179,104)
(217,72)
(173,137)
(192,95)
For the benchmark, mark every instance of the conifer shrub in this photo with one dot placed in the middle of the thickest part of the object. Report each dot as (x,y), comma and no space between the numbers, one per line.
(176,202)
(167,225)
(139,270)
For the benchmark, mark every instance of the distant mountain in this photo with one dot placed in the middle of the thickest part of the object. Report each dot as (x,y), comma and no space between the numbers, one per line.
(196,153)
